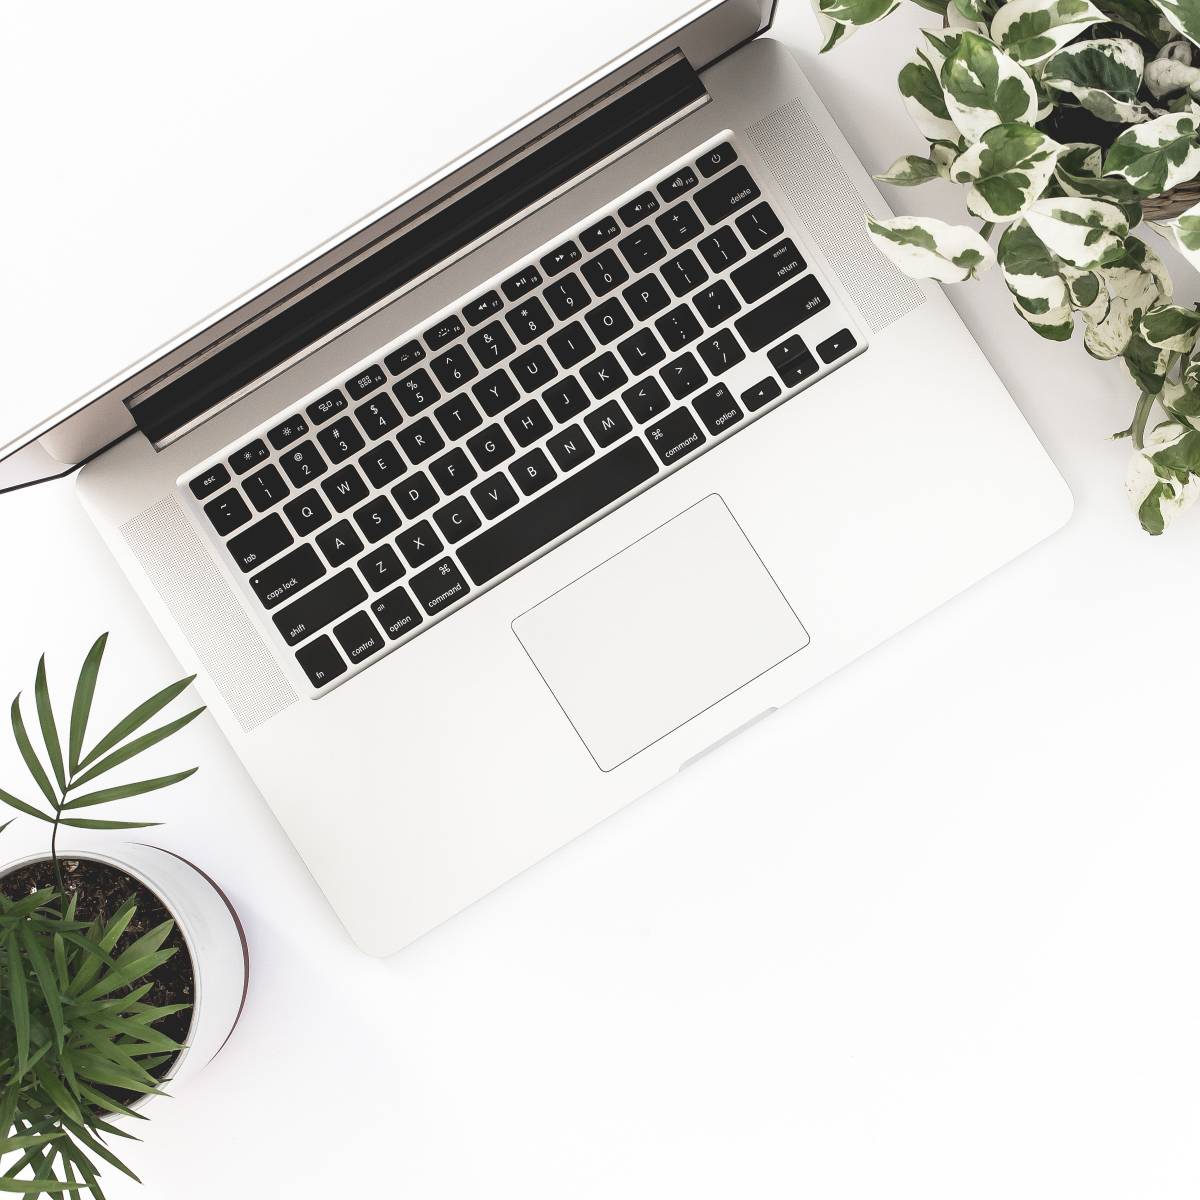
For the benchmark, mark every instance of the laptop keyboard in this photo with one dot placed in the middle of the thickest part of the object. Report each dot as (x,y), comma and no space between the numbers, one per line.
(661,325)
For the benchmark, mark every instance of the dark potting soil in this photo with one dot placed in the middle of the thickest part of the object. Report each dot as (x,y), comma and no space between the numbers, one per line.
(101,890)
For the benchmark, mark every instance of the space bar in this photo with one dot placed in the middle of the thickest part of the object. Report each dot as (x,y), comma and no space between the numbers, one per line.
(554,512)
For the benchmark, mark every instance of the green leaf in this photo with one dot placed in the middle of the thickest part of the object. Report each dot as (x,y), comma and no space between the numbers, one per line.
(925,248)
(31,759)
(839,18)
(81,707)
(44,974)
(923,98)
(18,1001)
(1008,169)
(124,790)
(1139,15)
(1134,283)
(909,170)
(34,1187)
(1170,327)
(137,718)
(1184,15)
(1077,173)
(1031,30)
(135,747)
(45,711)
(21,806)
(984,87)
(1084,233)
(92,823)
(1159,487)
(1104,75)
(1156,155)
(1034,279)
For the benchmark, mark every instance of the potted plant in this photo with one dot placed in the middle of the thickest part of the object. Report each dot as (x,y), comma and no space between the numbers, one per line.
(1068,124)
(118,971)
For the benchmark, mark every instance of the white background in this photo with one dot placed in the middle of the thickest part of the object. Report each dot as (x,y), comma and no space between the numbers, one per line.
(929,931)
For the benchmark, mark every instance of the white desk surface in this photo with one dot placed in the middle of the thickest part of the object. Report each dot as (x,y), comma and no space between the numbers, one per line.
(929,931)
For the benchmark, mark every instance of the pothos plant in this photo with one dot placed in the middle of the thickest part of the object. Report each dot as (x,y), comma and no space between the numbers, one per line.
(1069,123)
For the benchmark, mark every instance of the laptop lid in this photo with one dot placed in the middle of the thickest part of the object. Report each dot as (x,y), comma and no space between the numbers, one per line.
(228,354)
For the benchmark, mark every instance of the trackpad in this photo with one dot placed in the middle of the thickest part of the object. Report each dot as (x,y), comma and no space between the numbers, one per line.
(660,632)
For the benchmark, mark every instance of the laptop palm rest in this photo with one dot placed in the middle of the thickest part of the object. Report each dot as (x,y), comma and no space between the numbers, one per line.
(660,632)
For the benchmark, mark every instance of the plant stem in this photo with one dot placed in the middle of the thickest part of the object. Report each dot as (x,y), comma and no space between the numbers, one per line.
(60,883)
(1141,417)
(986,229)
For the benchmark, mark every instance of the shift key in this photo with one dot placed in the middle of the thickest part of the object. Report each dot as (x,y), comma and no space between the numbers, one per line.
(319,607)
(782,313)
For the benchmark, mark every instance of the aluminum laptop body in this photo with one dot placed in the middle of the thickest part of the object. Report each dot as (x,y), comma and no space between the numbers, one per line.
(786,487)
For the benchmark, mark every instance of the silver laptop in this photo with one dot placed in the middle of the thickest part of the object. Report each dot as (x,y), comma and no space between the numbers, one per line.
(580,457)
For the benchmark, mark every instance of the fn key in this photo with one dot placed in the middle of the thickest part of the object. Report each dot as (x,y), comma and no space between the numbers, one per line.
(321,661)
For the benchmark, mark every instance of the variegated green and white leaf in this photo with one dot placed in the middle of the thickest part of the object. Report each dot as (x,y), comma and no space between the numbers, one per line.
(1038,289)
(1136,282)
(1183,232)
(1164,475)
(1077,173)
(1184,15)
(909,170)
(926,248)
(1156,155)
(1086,291)
(1171,70)
(1146,364)
(1031,30)
(1139,15)
(1170,327)
(838,19)
(922,91)
(1182,400)
(967,11)
(1084,233)
(943,154)
(983,87)
(1008,169)
(958,20)
(1104,75)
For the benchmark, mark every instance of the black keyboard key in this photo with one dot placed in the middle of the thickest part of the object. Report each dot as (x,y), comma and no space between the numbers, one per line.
(528,423)
(603,375)
(727,194)
(292,573)
(377,518)
(320,606)
(678,327)
(328,406)
(577,498)
(604,230)
(533,369)
(566,399)
(420,440)
(286,432)
(453,367)
(642,249)
(571,345)
(491,344)
(716,303)
(439,586)
(604,272)
(760,225)
(639,208)
(480,309)
(345,488)
(358,637)
(396,613)
(265,488)
(458,417)
(490,447)
(383,464)
(684,273)
(444,332)
(716,159)
(378,416)
(260,543)
(766,271)
(494,496)
(321,662)
(529,321)
(306,512)
(340,440)
(216,477)
(415,495)
(560,258)
(645,400)
(679,224)
(453,470)
(457,519)
(833,347)
(227,512)
(496,392)
(365,382)
(418,543)
(720,351)
(676,435)
(404,357)
(381,568)
(416,392)
(607,424)
(793,360)
(722,248)
(682,181)
(570,448)
(339,543)
(567,297)
(249,456)
(761,394)
(608,321)
(683,375)
(532,472)
(717,409)
(781,313)
(641,351)
(646,297)
(522,283)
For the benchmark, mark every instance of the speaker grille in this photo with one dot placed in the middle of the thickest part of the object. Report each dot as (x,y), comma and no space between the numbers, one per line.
(833,210)
(208,613)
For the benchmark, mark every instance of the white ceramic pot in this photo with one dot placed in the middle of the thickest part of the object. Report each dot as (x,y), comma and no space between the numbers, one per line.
(211,931)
